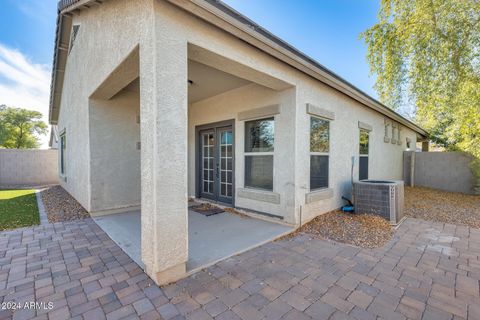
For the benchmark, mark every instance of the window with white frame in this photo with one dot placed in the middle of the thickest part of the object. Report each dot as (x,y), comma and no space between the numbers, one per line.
(319,153)
(259,147)
(363,155)
(63,150)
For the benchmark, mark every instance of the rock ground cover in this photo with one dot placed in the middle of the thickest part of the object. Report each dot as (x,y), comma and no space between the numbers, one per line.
(363,230)
(61,206)
(442,206)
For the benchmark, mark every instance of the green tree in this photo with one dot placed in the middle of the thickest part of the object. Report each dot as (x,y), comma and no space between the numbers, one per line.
(427,53)
(20,128)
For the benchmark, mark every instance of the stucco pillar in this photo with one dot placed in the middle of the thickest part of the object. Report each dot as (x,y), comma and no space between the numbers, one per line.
(164,105)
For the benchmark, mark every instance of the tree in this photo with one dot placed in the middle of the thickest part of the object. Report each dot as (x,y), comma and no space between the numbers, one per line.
(427,53)
(20,128)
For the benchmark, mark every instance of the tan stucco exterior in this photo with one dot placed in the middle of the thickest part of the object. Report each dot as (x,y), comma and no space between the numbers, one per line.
(103,133)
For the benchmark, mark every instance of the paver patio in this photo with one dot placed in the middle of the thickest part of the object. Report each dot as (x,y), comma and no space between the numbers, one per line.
(429,270)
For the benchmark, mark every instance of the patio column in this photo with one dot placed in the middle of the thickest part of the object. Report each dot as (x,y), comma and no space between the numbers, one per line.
(164,106)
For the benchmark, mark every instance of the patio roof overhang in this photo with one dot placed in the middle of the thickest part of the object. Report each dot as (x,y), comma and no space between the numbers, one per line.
(220,15)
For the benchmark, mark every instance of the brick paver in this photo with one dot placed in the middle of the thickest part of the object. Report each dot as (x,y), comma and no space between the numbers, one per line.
(428,271)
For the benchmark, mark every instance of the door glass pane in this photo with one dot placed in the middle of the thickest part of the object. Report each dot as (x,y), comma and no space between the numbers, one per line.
(226,159)
(207,161)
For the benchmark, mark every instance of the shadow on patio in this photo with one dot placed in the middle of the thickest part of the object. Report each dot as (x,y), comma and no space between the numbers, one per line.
(210,239)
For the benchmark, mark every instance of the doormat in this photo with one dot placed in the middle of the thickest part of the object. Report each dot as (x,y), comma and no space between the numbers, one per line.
(207,209)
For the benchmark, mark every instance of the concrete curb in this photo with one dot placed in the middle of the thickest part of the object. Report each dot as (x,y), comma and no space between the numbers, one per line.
(41,208)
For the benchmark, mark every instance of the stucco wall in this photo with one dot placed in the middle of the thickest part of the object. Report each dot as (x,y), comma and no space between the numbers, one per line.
(385,158)
(448,171)
(107,34)
(28,167)
(115,159)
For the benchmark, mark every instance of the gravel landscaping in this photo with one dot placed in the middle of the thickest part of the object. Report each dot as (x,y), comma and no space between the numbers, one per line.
(363,230)
(442,206)
(61,206)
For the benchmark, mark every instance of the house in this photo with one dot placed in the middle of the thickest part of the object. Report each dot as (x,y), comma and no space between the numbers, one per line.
(157,101)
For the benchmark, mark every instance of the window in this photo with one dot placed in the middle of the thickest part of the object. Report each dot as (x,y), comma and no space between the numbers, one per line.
(259,147)
(363,158)
(63,149)
(73,35)
(319,153)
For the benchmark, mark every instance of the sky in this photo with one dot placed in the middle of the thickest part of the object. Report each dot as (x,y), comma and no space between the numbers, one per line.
(326,30)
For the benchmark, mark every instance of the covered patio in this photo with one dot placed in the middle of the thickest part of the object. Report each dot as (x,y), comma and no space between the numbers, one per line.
(143,171)
(210,239)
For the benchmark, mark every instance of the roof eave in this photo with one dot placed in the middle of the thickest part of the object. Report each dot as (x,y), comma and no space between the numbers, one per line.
(62,40)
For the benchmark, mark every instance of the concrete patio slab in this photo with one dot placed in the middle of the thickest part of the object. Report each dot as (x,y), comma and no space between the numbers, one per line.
(210,239)
(125,229)
(213,238)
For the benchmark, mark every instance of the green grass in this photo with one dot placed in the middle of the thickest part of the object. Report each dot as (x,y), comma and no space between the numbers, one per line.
(18,208)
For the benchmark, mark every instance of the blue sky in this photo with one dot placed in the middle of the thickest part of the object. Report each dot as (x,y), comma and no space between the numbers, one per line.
(325,30)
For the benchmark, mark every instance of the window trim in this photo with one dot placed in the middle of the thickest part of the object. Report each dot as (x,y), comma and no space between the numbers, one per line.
(317,153)
(259,153)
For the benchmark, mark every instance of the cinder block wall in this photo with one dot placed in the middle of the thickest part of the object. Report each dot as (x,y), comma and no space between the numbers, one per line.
(28,167)
(448,171)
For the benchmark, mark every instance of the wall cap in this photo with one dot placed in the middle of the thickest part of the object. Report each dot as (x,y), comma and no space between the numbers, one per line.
(317,195)
(364,126)
(259,112)
(320,112)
